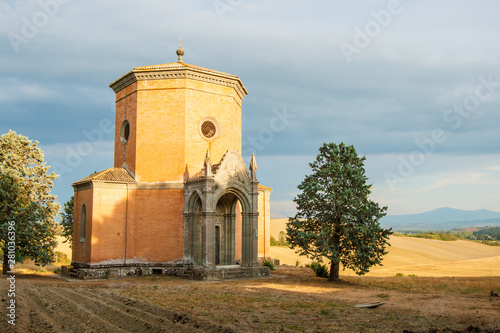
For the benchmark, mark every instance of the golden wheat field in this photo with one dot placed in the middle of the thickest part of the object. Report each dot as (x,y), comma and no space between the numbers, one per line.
(417,256)
(63,247)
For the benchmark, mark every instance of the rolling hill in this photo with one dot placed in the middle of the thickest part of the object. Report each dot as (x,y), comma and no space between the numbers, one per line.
(441,219)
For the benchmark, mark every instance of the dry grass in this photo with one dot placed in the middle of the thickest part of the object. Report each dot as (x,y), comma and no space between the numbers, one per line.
(293,299)
(449,285)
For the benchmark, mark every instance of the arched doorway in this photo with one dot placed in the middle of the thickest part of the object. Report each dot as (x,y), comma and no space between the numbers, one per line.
(221,214)
(228,230)
(194,225)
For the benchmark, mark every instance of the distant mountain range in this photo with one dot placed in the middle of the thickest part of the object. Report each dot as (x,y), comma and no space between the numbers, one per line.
(442,219)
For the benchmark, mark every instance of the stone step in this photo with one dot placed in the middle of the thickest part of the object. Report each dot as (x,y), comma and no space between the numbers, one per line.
(72,272)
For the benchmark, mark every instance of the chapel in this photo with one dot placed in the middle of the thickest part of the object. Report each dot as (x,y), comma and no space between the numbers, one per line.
(179,199)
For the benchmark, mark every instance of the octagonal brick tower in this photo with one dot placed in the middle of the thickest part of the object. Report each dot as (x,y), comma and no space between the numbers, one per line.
(168,116)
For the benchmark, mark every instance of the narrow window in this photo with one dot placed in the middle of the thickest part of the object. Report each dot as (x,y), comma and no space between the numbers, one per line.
(83,223)
(125,132)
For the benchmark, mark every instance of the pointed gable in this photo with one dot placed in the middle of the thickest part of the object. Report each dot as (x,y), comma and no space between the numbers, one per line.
(231,167)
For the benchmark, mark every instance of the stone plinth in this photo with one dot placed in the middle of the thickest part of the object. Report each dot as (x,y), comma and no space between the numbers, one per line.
(217,273)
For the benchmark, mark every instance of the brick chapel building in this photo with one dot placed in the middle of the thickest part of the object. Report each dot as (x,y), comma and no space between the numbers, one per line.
(179,197)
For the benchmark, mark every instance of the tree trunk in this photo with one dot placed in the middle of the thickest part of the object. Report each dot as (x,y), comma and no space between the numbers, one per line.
(335,266)
(334,271)
(6,267)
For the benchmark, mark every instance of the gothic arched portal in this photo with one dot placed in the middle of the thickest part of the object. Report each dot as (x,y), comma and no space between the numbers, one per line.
(213,206)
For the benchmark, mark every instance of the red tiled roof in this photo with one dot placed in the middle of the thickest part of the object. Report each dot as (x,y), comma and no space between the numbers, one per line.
(119,175)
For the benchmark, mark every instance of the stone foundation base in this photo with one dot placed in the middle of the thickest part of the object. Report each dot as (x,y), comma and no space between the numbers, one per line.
(194,273)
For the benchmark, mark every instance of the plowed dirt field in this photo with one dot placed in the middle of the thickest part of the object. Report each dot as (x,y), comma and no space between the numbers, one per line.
(291,300)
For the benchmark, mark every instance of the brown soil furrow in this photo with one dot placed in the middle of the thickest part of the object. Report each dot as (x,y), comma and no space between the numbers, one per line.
(128,317)
(41,312)
(153,314)
(37,313)
(145,312)
(23,318)
(85,312)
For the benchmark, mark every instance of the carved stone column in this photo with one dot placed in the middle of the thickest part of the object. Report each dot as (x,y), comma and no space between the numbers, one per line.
(231,223)
(208,241)
(208,222)
(250,240)
(188,236)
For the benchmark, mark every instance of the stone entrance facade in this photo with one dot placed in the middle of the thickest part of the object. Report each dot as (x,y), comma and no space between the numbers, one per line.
(214,199)
(179,199)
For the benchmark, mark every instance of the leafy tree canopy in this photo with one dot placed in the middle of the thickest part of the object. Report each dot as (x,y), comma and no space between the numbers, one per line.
(67,221)
(26,200)
(335,218)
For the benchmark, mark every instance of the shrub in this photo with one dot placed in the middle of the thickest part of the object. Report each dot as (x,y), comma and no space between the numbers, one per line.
(62,258)
(318,268)
(269,264)
(281,241)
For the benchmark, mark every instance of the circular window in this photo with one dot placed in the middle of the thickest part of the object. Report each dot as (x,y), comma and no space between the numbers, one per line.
(125,132)
(209,128)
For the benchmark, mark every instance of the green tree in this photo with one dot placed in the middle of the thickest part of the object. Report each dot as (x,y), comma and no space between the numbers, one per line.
(335,218)
(67,221)
(28,209)
(282,239)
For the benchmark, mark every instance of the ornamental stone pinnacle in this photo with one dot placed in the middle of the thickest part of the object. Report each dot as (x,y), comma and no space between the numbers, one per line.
(253,168)
(180,52)
(208,165)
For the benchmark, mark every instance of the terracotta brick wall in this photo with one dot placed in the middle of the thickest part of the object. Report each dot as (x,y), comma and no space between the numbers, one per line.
(109,225)
(126,109)
(156,225)
(81,251)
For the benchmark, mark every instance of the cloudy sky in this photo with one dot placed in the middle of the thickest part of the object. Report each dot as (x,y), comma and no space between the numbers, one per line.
(413,85)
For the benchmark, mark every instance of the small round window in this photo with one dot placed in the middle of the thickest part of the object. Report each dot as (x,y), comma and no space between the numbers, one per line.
(125,132)
(209,128)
